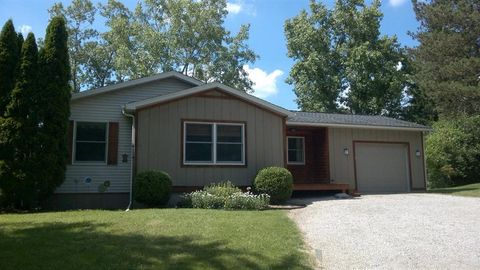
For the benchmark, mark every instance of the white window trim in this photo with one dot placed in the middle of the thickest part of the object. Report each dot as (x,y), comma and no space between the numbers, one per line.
(303,151)
(74,147)
(214,161)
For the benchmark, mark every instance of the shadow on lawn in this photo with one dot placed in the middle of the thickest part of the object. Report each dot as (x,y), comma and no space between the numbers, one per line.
(88,246)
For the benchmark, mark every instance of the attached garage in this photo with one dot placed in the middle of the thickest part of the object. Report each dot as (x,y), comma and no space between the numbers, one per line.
(382,167)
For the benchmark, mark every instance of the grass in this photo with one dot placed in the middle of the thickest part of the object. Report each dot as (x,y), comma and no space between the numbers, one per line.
(472,190)
(151,239)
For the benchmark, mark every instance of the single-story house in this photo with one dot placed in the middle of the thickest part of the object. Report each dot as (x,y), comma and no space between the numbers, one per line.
(201,133)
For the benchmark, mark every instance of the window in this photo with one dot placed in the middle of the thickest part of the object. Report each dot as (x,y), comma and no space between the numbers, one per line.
(296,150)
(91,142)
(214,143)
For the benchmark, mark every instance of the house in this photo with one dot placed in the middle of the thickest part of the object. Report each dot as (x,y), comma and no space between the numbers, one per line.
(201,133)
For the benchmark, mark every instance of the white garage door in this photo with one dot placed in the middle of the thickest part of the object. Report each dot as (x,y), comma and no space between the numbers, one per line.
(381,167)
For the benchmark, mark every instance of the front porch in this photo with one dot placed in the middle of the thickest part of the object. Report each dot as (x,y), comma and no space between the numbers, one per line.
(308,159)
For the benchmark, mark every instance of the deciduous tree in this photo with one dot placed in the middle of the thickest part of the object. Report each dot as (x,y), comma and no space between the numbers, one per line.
(342,62)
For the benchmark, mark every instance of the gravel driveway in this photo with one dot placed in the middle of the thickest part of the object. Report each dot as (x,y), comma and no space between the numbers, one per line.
(401,231)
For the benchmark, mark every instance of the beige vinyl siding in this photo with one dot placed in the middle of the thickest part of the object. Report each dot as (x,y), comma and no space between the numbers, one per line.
(342,166)
(107,107)
(159,143)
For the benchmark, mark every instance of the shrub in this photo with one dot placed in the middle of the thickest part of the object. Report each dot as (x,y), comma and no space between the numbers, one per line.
(152,188)
(224,196)
(276,182)
(453,152)
(247,201)
(223,189)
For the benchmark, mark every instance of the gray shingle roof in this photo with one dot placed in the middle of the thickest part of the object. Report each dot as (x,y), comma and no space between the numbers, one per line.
(351,119)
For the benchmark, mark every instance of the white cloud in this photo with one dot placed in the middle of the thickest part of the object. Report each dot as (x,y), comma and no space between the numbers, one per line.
(234,8)
(396,3)
(264,84)
(25,29)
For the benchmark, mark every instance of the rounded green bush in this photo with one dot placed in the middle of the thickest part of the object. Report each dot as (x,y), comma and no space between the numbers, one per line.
(276,182)
(152,188)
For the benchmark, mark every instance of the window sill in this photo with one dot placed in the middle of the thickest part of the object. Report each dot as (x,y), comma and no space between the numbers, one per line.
(89,164)
(215,165)
(295,164)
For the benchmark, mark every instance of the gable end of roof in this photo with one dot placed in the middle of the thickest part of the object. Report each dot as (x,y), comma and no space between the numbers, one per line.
(162,76)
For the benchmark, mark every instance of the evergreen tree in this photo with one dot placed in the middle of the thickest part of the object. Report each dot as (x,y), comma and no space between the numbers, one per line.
(54,97)
(18,134)
(9,56)
(448,57)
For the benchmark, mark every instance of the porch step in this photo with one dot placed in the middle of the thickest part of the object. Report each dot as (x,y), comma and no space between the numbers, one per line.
(322,187)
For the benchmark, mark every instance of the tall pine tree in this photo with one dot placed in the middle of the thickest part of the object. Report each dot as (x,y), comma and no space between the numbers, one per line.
(54,96)
(19,133)
(448,57)
(9,56)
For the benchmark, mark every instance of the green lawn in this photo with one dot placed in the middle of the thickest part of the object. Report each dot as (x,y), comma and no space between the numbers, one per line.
(151,239)
(472,190)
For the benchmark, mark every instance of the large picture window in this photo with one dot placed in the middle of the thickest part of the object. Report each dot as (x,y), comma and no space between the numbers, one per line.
(208,143)
(90,142)
(296,150)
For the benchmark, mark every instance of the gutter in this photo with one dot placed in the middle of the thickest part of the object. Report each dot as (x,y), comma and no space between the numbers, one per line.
(132,155)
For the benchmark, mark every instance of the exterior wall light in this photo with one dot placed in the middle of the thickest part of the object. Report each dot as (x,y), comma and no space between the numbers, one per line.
(124,158)
(345,151)
(417,153)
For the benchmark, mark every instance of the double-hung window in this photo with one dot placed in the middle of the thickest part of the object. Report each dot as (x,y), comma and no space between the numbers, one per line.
(90,142)
(210,143)
(296,150)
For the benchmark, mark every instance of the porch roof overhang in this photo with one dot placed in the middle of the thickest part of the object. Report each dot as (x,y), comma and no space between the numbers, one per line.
(134,106)
(307,124)
(312,119)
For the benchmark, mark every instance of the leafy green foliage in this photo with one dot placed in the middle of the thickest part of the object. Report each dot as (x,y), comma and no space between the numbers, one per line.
(18,134)
(419,107)
(9,58)
(79,17)
(447,59)
(276,182)
(152,188)
(222,189)
(453,152)
(224,195)
(157,36)
(342,62)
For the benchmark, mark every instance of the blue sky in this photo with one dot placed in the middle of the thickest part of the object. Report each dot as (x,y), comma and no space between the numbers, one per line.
(266,18)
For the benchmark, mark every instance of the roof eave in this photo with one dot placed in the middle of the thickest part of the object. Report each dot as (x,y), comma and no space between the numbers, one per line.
(310,124)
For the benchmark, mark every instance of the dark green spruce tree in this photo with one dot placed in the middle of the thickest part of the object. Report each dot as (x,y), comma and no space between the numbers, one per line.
(19,133)
(447,60)
(9,56)
(54,98)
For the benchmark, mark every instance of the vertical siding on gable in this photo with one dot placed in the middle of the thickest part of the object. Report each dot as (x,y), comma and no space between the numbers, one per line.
(341,166)
(107,107)
(159,131)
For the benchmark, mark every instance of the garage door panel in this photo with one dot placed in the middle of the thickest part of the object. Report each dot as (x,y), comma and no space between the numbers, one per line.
(381,167)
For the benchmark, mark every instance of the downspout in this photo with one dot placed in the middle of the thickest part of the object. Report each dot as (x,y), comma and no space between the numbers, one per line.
(132,154)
